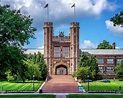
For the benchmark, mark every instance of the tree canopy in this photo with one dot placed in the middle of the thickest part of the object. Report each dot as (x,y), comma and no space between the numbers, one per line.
(117,19)
(37,63)
(15,30)
(119,70)
(87,65)
(104,45)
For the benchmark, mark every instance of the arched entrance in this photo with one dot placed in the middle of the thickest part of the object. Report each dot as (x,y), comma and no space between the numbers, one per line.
(61,69)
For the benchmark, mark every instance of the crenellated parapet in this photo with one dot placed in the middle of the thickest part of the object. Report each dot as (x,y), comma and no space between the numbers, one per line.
(74,24)
(48,24)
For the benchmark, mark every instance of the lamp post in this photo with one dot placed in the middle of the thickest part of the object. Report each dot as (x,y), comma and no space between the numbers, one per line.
(88,82)
(33,81)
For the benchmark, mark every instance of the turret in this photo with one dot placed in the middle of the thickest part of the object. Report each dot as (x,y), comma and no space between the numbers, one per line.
(48,35)
(74,47)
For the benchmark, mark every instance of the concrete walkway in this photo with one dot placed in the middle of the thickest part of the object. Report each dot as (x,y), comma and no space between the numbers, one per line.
(60,96)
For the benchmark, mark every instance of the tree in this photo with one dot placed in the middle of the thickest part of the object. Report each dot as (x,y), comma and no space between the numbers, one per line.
(87,62)
(38,59)
(104,45)
(15,30)
(93,66)
(82,72)
(84,60)
(119,70)
(117,19)
(12,60)
(43,68)
(33,69)
(42,65)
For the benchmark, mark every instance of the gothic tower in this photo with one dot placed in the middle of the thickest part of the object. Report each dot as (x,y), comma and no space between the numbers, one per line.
(48,35)
(74,46)
(61,52)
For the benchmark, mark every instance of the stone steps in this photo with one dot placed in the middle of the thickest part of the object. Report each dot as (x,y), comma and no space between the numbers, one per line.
(60,84)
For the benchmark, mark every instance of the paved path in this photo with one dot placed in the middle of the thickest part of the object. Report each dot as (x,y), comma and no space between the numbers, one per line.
(60,96)
(60,84)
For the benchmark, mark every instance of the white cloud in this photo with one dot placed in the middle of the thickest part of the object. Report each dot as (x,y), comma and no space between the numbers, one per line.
(116,30)
(101,5)
(60,10)
(88,45)
(42,47)
(117,47)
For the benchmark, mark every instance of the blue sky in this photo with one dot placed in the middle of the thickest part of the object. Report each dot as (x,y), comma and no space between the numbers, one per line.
(93,16)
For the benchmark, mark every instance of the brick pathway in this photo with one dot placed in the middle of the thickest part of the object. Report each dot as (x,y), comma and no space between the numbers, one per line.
(60,84)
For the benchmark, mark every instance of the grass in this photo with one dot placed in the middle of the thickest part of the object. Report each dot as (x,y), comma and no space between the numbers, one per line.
(20,86)
(101,86)
(93,96)
(27,96)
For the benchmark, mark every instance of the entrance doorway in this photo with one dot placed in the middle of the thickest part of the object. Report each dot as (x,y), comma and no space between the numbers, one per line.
(61,70)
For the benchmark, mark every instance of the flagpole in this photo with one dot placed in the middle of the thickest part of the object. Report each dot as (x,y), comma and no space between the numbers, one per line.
(74,13)
(47,14)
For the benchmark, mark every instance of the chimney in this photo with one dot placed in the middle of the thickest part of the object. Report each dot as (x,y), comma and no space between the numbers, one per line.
(114,45)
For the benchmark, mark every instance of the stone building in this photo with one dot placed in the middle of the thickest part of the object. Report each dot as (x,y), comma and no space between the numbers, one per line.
(61,52)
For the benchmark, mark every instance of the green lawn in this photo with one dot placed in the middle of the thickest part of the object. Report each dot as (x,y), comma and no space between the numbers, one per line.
(93,96)
(27,96)
(98,86)
(19,86)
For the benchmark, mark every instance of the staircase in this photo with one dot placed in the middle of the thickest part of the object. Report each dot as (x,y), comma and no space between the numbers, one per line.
(60,84)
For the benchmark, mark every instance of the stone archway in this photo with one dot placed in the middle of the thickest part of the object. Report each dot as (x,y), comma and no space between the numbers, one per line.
(61,69)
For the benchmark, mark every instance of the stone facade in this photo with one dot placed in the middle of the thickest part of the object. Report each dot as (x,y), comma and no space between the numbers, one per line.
(61,52)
